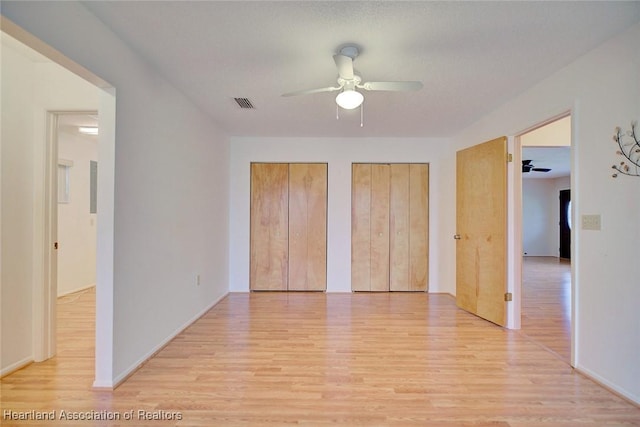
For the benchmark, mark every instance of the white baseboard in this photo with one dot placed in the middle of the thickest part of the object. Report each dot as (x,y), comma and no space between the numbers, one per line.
(15,366)
(138,364)
(625,394)
(100,385)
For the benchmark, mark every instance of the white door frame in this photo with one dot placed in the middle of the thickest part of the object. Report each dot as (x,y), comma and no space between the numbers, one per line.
(45,260)
(514,234)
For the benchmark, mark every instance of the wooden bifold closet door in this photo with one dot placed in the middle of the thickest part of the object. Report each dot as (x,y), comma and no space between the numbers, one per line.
(269,226)
(390,227)
(288,227)
(370,228)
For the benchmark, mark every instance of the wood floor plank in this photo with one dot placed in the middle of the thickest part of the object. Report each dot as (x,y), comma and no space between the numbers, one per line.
(273,359)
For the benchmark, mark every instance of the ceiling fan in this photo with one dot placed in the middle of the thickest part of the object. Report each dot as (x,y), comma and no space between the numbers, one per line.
(528,167)
(349,81)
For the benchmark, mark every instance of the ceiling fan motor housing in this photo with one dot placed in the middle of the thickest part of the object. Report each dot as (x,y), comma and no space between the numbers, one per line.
(350,84)
(350,51)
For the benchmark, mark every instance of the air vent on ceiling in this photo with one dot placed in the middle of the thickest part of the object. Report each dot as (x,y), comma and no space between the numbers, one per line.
(244,103)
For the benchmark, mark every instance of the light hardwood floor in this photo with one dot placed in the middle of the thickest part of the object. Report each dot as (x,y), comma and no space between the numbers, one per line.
(273,359)
(546,303)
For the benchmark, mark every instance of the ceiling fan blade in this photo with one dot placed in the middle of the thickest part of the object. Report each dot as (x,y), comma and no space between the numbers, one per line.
(310,91)
(345,66)
(392,86)
(541,169)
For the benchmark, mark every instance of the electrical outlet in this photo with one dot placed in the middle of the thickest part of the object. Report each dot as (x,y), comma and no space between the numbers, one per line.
(197,280)
(591,222)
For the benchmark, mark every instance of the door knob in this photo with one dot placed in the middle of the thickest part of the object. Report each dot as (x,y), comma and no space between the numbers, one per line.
(457,236)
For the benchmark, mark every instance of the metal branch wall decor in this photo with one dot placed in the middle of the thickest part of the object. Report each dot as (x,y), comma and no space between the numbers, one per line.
(629,149)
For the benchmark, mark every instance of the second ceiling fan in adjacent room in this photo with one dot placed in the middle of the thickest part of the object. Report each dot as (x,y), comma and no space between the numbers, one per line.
(527,167)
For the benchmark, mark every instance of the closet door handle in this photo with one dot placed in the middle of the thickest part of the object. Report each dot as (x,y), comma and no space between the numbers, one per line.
(457,236)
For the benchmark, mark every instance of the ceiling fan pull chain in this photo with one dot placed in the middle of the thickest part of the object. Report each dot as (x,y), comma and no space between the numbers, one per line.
(362,115)
(337,112)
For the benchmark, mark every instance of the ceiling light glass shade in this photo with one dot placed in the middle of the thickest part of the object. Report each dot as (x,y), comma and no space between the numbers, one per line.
(88,130)
(349,99)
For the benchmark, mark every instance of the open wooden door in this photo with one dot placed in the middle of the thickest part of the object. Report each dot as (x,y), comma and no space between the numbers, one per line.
(481,222)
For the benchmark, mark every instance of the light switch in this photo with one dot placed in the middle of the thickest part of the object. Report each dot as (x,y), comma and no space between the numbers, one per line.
(591,222)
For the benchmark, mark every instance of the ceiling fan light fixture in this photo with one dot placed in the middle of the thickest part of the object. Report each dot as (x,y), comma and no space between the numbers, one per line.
(349,99)
(88,130)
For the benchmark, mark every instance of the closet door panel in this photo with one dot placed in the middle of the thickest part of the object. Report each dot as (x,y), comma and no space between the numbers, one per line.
(307,227)
(361,227)
(269,226)
(399,228)
(298,230)
(317,226)
(379,276)
(419,219)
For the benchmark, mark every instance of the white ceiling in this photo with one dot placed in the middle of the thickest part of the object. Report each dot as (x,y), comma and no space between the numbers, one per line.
(71,122)
(471,57)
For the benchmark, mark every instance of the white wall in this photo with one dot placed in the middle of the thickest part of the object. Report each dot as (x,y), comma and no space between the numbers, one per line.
(76,226)
(541,215)
(603,91)
(537,218)
(171,189)
(339,154)
(555,134)
(17,211)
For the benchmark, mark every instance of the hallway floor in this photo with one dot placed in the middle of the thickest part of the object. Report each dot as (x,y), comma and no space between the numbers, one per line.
(546,303)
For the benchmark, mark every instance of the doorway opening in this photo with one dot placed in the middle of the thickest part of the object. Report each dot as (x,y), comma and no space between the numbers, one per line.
(76,145)
(546,286)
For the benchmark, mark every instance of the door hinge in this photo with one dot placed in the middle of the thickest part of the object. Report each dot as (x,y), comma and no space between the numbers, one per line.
(508,296)
(509,157)
(55,245)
